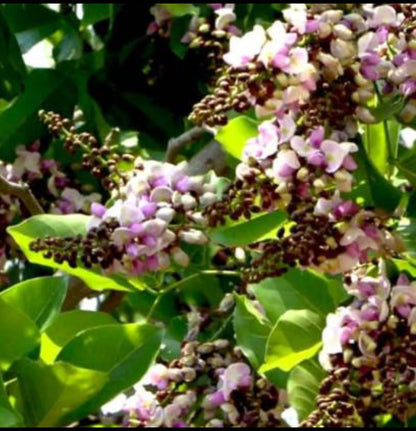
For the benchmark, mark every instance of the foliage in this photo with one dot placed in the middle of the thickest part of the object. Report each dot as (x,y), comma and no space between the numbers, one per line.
(195,211)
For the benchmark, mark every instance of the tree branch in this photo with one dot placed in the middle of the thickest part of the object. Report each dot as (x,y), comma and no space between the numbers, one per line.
(112,301)
(212,156)
(176,144)
(23,192)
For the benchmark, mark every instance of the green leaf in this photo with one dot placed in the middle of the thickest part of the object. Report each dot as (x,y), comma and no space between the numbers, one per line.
(49,393)
(39,298)
(31,22)
(303,387)
(372,186)
(376,146)
(65,327)
(407,165)
(123,352)
(9,417)
(299,289)
(18,334)
(388,107)
(405,266)
(246,232)
(234,135)
(251,330)
(12,67)
(295,338)
(181,9)
(63,226)
(19,123)
(95,12)
(407,231)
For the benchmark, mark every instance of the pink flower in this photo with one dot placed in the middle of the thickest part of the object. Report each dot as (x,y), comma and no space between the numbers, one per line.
(335,153)
(243,49)
(236,376)
(265,144)
(98,210)
(287,128)
(285,164)
(298,61)
(383,15)
(157,376)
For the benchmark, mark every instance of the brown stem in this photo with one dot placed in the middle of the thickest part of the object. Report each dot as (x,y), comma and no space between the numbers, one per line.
(212,156)
(176,144)
(112,301)
(23,192)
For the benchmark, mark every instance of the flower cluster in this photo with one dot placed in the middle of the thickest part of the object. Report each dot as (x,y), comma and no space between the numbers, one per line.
(304,175)
(208,37)
(357,50)
(158,209)
(56,192)
(369,352)
(210,385)
(102,161)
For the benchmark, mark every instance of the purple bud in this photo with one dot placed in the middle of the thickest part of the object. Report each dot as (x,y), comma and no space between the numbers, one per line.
(149,240)
(47,164)
(149,209)
(317,136)
(369,72)
(183,185)
(136,229)
(311,25)
(152,263)
(98,210)
(316,158)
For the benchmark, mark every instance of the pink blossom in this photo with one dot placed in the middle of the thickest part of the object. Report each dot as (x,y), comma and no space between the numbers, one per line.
(243,49)
(285,164)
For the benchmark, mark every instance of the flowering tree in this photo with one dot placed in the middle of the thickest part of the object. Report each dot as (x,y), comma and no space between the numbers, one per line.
(256,271)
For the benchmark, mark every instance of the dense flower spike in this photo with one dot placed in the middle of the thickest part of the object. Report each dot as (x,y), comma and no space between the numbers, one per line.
(102,161)
(209,37)
(158,209)
(357,50)
(210,385)
(303,175)
(369,352)
(56,192)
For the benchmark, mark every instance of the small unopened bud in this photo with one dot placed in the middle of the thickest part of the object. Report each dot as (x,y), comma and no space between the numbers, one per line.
(180,257)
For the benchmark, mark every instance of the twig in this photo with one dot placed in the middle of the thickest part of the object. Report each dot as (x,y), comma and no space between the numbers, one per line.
(212,156)
(23,192)
(77,291)
(176,144)
(112,301)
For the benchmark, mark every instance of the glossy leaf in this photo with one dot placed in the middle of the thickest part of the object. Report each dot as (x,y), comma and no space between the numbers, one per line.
(39,298)
(180,9)
(31,22)
(376,146)
(297,290)
(303,386)
(246,232)
(95,12)
(48,393)
(123,352)
(9,417)
(234,136)
(19,122)
(372,186)
(251,330)
(407,165)
(295,338)
(18,334)
(62,226)
(65,327)
(12,67)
